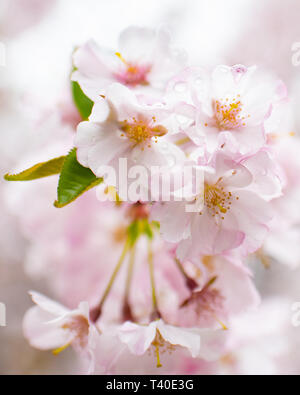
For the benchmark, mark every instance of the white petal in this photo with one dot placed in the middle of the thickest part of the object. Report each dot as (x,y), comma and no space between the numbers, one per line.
(137,337)
(184,337)
(105,150)
(136,43)
(48,305)
(40,333)
(174,221)
(100,111)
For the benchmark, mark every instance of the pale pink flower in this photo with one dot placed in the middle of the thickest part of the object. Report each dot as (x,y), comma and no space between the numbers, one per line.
(160,336)
(281,124)
(226,213)
(282,243)
(259,341)
(122,127)
(267,174)
(51,326)
(145,60)
(113,356)
(233,99)
(215,302)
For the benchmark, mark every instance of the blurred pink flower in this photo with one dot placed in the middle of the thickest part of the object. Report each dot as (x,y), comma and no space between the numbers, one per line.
(259,342)
(282,243)
(50,326)
(145,61)
(18,15)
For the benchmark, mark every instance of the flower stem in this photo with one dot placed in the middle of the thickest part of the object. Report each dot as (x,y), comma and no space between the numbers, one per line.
(156,313)
(127,313)
(95,314)
(130,271)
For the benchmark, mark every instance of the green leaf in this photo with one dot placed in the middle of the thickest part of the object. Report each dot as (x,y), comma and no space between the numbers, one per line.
(82,102)
(40,170)
(74,180)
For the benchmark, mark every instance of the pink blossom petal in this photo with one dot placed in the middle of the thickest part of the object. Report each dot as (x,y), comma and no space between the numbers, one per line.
(137,337)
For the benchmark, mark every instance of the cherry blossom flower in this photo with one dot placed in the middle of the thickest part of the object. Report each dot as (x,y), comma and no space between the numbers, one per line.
(122,127)
(282,243)
(227,214)
(145,60)
(213,302)
(164,279)
(163,337)
(236,99)
(267,175)
(51,326)
(259,341)
(113,355)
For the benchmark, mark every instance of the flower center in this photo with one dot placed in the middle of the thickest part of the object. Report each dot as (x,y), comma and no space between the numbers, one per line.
(160,347)
(142,131)
(133,74)
(228,114)
(208,302)
(79,326)
(217,200)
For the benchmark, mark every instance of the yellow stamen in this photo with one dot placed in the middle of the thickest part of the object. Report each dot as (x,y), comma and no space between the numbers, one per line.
(121,58)
(265,260)
(224,327)
(182,141)
(277,136)
(217,199)
(142,132)
(222,209)
(60,349)
(228,115)
(159,365)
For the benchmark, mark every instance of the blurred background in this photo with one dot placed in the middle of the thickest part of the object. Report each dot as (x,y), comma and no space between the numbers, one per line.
(38,37)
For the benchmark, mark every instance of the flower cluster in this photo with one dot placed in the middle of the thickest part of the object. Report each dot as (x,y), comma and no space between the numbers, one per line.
(159,275)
